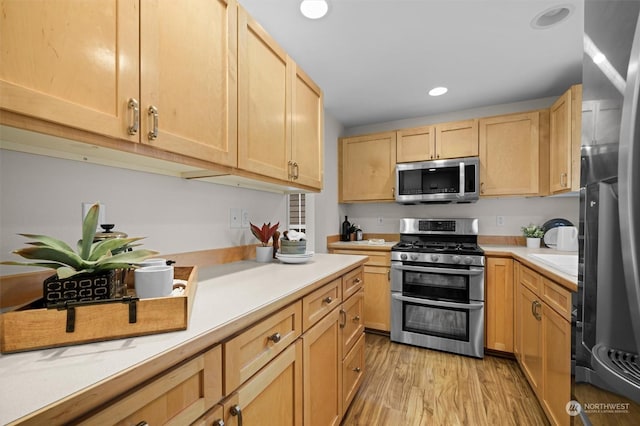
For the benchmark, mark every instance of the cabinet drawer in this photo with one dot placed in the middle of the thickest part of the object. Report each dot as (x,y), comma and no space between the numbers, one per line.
(251,350)
(352,372)
(376,258)
(557,298)
(352,282)
(530,279)
(352,321)
(178,397)
(319,303)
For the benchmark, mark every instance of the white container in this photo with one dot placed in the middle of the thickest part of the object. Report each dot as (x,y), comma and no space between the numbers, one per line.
(153,281)
(533,242)
(567,238)
(264,254)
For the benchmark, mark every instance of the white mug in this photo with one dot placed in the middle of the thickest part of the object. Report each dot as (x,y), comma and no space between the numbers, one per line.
(153,281)
(567,238)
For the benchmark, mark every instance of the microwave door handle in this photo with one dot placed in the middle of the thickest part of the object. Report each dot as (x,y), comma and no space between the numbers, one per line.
(461,192)
(438,270)
(470,306)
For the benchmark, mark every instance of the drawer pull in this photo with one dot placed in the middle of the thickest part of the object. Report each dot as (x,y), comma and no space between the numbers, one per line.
(357,369)
(153,113)
(143,423)
(275,337)
(356,318)
(357,280)
(343,314)
(328,300)
(218,422)
(236,411)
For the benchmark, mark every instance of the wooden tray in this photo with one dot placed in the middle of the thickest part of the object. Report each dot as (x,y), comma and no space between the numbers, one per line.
(29,329)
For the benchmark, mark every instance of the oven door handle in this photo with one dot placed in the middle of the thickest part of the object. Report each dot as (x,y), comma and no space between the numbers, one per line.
(429,302)
(439,270)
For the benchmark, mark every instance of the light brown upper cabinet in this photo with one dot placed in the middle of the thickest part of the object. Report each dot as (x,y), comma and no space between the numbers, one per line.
(123,70)
(514,154)
(366,167)
(271,92)
(441,141)
(564,141)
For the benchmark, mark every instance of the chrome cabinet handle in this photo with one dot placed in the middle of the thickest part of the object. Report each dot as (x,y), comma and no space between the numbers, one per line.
(564,180)
(153,113)
(534,310)
(357,369)
(482,187)
(275,337)
(135,121)
(143,423)
(236,411)
(327,300)
(290,169)
(357,280)
(393,192)
(343,318)
(356,318)
(218,422)
(296,169)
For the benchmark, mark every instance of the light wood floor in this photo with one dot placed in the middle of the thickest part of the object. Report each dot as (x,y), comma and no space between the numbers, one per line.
(405,385)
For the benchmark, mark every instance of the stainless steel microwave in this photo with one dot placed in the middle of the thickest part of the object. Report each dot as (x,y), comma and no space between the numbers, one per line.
(438,181)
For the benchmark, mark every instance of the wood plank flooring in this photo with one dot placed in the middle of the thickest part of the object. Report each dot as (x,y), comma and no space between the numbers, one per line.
(405,385)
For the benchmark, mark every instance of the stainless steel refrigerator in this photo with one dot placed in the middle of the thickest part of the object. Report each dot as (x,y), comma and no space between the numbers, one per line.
(607,304)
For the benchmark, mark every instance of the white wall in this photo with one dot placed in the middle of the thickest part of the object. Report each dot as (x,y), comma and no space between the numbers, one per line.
(327,210)
(43,195)
(517,211)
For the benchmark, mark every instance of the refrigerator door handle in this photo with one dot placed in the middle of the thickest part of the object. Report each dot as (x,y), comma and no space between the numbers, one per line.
(628,183)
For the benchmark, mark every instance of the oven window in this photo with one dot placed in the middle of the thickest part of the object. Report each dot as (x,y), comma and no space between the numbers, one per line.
(449,323)
(430,285)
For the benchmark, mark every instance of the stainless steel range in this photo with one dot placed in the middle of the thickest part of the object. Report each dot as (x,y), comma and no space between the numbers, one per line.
(437,286)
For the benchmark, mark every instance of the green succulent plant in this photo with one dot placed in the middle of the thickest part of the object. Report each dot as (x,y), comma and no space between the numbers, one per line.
(91,257)
(532,231)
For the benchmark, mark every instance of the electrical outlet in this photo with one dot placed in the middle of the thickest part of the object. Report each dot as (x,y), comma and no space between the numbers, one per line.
(235,218)
(245,218)
(499,220)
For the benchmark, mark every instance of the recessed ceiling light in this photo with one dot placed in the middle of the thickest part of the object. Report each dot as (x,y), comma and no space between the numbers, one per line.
(552,16)
(314,9)
(598,58)
(437,91)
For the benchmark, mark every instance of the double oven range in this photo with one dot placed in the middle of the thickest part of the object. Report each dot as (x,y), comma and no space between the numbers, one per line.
(437,286)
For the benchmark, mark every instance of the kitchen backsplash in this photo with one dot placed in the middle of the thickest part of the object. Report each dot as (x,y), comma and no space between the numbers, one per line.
(514,212)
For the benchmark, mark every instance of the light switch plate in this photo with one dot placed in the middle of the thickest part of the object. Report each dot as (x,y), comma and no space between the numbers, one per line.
(245,218)
(499,220)
(235,220)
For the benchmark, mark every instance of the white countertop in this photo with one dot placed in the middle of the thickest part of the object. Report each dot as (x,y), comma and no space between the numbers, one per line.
(362,245)
(35,379)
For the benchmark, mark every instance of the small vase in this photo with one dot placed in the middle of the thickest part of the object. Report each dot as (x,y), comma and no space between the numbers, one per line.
(533,242)
(264,254)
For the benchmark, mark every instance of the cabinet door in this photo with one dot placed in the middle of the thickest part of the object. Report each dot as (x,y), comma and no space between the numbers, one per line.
(531,335)
(510,155)
(264,101)
(560,144)
(517,313)
(377,298)
(457,139)
(71,62)
(307,131)
(322,372)
(415,144)
(367,167)
(499,304)
(556,365)
(273,396)
(188,54)
(352,324)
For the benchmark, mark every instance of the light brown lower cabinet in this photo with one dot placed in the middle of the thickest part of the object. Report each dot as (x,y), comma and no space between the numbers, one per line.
(353,370)
(499,304)
(543,340)
(177,397)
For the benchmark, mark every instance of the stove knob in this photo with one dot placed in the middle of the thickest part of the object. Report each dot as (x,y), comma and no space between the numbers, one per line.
(435,257)
(468,260)
(403,256)
(414,257)
(456,259)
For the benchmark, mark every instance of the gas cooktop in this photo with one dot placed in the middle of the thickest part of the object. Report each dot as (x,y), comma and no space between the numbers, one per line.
(447,247)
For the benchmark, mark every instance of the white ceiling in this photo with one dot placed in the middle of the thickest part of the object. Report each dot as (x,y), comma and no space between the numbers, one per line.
(375,60)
